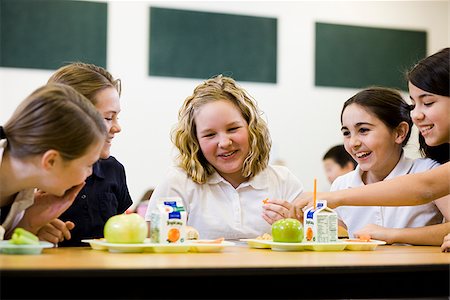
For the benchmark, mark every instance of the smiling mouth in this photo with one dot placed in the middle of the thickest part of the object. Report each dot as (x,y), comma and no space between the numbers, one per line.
(362,154)
(424,130)
(227,154)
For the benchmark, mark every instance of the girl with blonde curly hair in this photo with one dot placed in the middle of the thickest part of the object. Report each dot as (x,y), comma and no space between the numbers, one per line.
(223,171)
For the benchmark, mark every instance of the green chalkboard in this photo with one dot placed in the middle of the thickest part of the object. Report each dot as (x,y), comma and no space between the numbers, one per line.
(357,57)
(193,44)
(46,34)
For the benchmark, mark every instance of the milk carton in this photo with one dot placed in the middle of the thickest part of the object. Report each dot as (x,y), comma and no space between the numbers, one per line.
(168,221)
(321,224)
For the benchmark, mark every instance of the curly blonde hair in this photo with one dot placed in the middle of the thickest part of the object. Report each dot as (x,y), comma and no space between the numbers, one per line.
(190,157)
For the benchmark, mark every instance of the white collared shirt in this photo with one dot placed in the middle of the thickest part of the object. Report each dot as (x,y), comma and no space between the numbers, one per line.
(23,200)
(356,217)
(216,209)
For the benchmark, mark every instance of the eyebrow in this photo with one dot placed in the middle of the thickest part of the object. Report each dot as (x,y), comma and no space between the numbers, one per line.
(359,124)
(111,112)
(422,96)
(208,130)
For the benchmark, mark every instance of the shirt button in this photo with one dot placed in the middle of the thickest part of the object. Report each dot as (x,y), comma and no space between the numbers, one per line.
(83,196)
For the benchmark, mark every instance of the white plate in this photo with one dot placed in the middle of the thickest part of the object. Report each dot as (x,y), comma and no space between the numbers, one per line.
(257,243)
(203,246)
(7,248)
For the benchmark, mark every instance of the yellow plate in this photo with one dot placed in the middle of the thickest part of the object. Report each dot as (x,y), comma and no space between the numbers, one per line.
(257,243)
(208,245)
(192,246)
(362,246)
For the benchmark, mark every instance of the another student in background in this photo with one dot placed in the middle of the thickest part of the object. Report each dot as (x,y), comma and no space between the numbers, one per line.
(105,193)
(429,91)
(337,161)
(223,174)
(376,126)
(141,207)
(50,143)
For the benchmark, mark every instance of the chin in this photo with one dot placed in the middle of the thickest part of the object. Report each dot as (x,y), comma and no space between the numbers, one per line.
(105,154)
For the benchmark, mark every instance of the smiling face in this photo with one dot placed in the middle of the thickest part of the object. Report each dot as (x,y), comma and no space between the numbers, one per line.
(374,146)
(333,170)
(223,136)
(108,104)
(61,175)
(431,114)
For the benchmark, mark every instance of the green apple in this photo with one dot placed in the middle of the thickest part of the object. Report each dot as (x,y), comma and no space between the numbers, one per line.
(126,229)
(287,231)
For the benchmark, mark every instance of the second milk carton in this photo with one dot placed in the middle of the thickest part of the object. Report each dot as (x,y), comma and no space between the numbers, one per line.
(321,224)
(168,221)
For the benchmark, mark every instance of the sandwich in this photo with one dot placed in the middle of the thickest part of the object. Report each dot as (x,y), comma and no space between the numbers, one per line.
(191,233)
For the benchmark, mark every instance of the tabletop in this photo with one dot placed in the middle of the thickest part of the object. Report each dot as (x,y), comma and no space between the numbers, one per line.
(394,271)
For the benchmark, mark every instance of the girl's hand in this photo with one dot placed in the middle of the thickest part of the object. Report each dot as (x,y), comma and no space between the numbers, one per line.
(301,203)
(446,244)
(276,209)
(46,208)
(56,231)
(376,232)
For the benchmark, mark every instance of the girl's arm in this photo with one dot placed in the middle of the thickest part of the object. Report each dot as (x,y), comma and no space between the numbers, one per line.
(427,235)
(411,189)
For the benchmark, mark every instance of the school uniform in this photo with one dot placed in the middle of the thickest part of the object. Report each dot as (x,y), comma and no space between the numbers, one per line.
(10,215)
(217,209)
(356,217)
(104,195)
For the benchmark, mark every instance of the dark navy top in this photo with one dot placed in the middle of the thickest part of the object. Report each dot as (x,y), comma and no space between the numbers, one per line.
(104,195)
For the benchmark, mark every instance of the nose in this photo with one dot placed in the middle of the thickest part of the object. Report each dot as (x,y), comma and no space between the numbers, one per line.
(116,127)
(416,114)
(224,142)
(354,142)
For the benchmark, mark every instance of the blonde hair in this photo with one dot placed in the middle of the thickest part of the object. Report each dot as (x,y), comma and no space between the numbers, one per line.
(190,157)
(57,117)
(87,79)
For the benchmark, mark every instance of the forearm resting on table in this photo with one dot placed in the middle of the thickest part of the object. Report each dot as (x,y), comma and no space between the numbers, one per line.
(412,189)
(428,235)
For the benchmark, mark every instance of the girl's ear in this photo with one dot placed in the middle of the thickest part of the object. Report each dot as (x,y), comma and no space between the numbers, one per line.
(49,159)
(401,132)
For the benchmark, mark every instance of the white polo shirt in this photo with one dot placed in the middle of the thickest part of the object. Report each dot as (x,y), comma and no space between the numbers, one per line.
(216,209)
(356,217)
(23,200)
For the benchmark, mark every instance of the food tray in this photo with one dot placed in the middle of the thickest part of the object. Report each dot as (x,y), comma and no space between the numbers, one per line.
(147,246)
(340,245)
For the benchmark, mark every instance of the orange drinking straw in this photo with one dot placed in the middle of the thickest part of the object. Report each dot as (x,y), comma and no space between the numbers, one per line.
(315,192)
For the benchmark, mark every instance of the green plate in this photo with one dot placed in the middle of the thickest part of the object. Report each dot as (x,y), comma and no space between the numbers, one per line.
(7,248)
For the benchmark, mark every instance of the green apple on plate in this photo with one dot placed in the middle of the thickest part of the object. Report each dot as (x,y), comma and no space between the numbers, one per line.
(287,231)
(126,229)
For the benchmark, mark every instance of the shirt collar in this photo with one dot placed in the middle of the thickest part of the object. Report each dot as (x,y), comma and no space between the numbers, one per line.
(403,167)
(258,182)
(97,169)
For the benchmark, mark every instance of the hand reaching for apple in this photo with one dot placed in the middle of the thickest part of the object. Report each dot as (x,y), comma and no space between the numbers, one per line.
(56,231)
(277,209)
(46,208)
